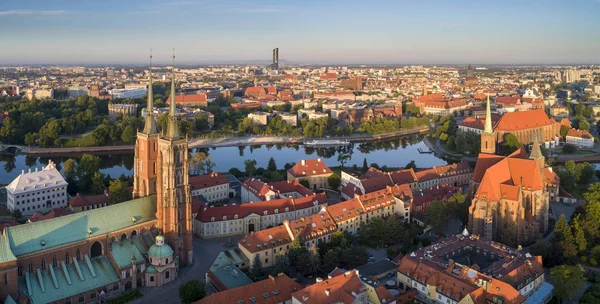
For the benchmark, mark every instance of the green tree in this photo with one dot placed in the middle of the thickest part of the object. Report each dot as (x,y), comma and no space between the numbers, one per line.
(250,166)
(197,162)
(98,185)
(438,215)
(69,169)
(128,134)
(568,280)
(565,237)
(578,234)
(459,206)
(343,158)
(331,259)
(87,166)
(563,131)
(119,192)
(592,211)
(334,181)
(282,265)
(257,270)
(511,144)
(191,291)
(411,165)
(365,166)
(272,166)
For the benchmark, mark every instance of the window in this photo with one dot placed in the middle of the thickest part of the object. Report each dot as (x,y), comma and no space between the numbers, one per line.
(167,274)
(167,261)
(43,264)
(81,298)
(78,255)
(151,278)
(68,258)
(92,295)
(54,262)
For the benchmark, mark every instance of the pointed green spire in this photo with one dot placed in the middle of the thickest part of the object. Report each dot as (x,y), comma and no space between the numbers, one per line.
(172,127)
(150,123)
(488,118)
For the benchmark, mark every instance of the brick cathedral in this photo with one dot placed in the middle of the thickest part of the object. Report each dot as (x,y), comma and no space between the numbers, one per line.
(96,255)
(511,194)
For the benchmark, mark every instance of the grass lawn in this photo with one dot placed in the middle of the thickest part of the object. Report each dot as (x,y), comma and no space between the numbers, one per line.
(85,141)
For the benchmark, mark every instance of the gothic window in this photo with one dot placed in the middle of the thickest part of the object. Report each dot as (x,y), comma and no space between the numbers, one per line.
(43,264)
(54,262)
(30,267)
(68,258)
(78,255)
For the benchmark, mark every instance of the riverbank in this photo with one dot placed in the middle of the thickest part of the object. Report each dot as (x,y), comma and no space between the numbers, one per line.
(225,142)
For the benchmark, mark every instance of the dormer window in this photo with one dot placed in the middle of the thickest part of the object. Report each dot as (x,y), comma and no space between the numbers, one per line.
(235,216)
(212,219)
(276,211)
(265,213)
(224,217)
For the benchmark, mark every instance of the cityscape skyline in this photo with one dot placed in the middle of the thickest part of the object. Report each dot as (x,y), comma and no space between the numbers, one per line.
(309,33)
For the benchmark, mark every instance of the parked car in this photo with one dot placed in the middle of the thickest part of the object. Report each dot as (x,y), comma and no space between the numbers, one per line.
(371,258)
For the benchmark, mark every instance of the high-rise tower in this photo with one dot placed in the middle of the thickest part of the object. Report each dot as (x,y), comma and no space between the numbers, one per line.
(146,151)
(275,65)
(174,200)
(488,137)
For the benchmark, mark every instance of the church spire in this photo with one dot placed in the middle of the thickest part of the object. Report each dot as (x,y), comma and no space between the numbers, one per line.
(150,124)
(488,118)
(172,127)
(536,152)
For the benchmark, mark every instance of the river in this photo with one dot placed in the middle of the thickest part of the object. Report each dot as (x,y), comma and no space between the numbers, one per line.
(391,153)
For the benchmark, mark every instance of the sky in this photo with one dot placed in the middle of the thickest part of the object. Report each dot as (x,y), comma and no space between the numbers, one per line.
(306,31)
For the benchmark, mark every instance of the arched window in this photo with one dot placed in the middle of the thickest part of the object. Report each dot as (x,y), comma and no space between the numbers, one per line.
(123,237)
(67,258)
(78,255)
(20,270)
(133,233)
(167,261)
(30,267)
(167,275)
(151,278)
(54,262)
(96,249)
(43,264)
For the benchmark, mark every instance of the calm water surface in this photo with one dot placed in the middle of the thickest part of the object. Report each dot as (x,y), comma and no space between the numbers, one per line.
(391,153)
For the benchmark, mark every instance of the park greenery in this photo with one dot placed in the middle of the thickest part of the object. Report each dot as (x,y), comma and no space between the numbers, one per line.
(576,240)
(84,176)
(191,291)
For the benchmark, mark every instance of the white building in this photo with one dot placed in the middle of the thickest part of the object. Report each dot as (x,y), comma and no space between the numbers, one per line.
(213,187)
(128,93)
(39,190)
(580,138)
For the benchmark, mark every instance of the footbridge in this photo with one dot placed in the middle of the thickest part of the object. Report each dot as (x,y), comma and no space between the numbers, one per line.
(9,148)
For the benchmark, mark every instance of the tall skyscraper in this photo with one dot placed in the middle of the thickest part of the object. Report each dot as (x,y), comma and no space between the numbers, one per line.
(275,65)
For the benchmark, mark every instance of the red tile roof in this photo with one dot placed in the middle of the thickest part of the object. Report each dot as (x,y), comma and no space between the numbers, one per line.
(514,121)
(230,212)
(266,239)
(272,290)
(87,200)
(314,226)
(57,212)
(339,289)
(580,134)
(192,99)
(207,181)
(309,167)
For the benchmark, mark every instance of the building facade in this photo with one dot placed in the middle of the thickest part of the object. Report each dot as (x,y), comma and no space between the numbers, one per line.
(37,191)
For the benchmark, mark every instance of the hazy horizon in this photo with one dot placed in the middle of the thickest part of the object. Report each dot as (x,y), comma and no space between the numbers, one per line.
(543,32)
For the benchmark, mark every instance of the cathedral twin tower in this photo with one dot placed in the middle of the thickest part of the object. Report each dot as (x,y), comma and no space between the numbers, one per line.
(160,168)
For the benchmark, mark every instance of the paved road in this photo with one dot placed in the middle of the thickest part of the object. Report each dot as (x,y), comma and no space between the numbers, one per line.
(205,252)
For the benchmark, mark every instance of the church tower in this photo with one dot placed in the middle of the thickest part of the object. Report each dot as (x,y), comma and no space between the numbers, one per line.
(488,137)
(174,200)
(536,154)
(146,151)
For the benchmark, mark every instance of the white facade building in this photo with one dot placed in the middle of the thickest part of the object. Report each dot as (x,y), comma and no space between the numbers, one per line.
(128,93)
(39,190)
